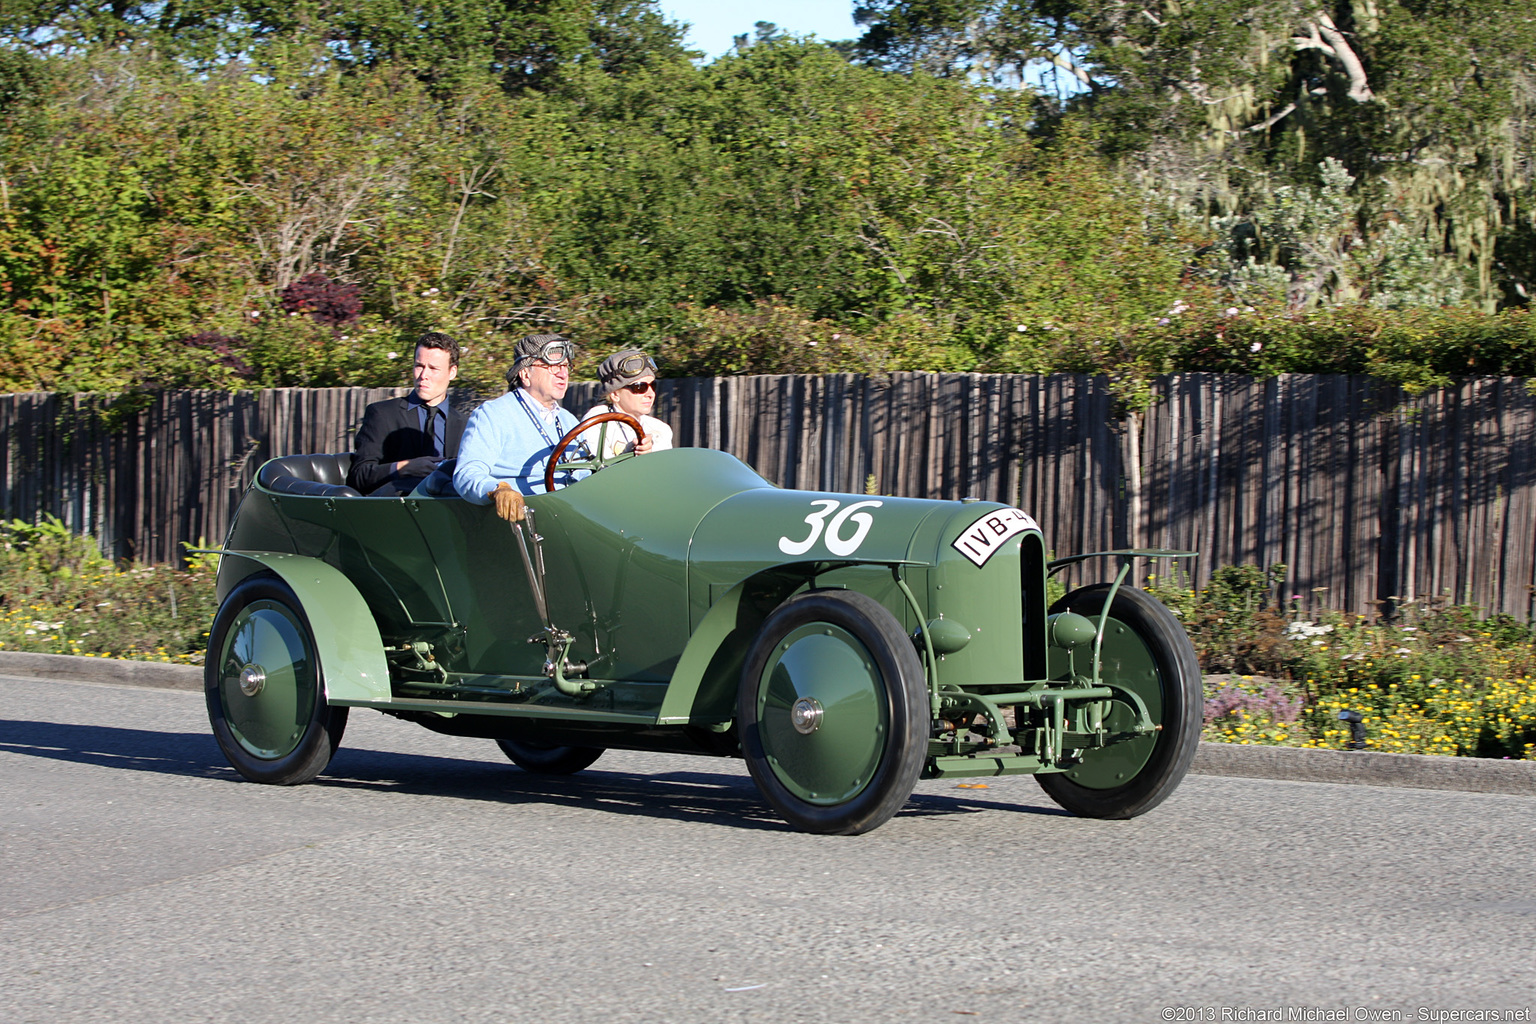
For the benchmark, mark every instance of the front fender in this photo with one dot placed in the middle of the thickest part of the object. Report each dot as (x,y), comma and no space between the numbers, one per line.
(352,665)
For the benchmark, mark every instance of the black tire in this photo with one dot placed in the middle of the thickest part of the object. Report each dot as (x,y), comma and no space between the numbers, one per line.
(840,664)
(1146,649)
(264,686)
(542,760)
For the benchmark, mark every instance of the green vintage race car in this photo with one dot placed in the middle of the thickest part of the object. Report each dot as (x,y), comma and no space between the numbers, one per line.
(844,645)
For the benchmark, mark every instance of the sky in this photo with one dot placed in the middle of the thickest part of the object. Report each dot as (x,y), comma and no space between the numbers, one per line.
(715,23)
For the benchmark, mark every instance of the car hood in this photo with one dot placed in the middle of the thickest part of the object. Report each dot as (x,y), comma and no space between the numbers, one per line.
(768,526)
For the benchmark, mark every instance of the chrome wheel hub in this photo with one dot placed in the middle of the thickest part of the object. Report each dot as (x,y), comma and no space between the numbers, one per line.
(805,715)
(252,679)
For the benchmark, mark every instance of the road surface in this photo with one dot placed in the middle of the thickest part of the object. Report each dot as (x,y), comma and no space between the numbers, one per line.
(424,878)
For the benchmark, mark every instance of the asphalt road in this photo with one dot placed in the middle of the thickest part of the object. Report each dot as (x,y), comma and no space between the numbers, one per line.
(425,879)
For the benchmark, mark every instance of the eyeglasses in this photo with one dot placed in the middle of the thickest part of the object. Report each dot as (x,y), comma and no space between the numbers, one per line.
(641,387)
(554,353)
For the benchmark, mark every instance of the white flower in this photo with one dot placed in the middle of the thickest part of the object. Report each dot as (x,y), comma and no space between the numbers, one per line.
(1231,311)
(391,355)
(1021,328)
(1255,346)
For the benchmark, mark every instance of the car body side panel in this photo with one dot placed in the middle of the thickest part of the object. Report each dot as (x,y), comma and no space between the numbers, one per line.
(749,533)
(615,548)
(383,548)
(259,525)
(663,567)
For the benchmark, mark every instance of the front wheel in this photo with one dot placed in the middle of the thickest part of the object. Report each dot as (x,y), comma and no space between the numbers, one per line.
(833,712)
(545,760)
(263,685)
(1145,650)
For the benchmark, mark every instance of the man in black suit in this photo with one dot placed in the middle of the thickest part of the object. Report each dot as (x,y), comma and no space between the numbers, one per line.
(403,439)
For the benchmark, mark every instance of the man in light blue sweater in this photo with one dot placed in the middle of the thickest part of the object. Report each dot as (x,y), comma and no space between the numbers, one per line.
(508,441)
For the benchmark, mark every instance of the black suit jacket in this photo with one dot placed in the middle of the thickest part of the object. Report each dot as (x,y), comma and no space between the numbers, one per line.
(391,431)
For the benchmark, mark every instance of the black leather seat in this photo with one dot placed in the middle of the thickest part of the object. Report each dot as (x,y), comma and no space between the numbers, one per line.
(315,475)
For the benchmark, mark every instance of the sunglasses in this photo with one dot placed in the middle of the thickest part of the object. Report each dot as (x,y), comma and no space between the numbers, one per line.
(641,388)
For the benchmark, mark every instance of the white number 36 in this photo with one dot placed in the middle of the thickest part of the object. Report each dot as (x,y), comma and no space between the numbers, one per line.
(836,542)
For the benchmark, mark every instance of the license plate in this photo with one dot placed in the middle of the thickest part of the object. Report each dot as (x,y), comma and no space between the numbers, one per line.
(985,537)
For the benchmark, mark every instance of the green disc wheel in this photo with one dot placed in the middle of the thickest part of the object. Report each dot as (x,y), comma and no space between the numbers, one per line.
(546,760)
(1145,650)
(262,680)
(833,712)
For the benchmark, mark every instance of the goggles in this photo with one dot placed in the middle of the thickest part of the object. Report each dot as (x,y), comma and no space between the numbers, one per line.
(554,353)
(635,364)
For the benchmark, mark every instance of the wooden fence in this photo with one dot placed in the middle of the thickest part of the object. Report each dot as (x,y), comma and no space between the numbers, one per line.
(1366,494)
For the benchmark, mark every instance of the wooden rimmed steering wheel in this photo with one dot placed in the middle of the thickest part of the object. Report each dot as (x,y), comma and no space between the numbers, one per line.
(596,462)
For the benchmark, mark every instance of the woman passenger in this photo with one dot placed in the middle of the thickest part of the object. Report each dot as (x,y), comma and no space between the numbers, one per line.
(629,379)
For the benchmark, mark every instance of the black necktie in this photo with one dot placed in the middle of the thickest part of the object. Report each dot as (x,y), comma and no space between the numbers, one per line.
(437,427)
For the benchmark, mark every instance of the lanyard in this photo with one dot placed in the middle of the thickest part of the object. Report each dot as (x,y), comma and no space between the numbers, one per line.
(538,421)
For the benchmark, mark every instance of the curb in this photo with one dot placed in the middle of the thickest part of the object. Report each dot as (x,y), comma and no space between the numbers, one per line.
(74,668)
(1367,768)
(1288,764)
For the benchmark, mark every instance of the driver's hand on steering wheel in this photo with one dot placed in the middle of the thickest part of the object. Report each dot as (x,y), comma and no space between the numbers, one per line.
(644,446)
(509,502)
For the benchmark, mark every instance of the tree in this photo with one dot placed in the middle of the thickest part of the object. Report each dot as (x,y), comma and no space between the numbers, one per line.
(1211,106)
(191,28)
(524,42)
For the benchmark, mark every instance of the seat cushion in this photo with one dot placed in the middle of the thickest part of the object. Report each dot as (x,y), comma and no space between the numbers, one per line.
(321,475)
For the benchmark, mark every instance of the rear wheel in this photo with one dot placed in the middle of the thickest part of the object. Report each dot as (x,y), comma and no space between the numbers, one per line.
(1145,650)
(545,760)
(833,712)
(263,684)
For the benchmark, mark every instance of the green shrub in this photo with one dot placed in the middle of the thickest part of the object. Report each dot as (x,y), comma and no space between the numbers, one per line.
(60,595)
